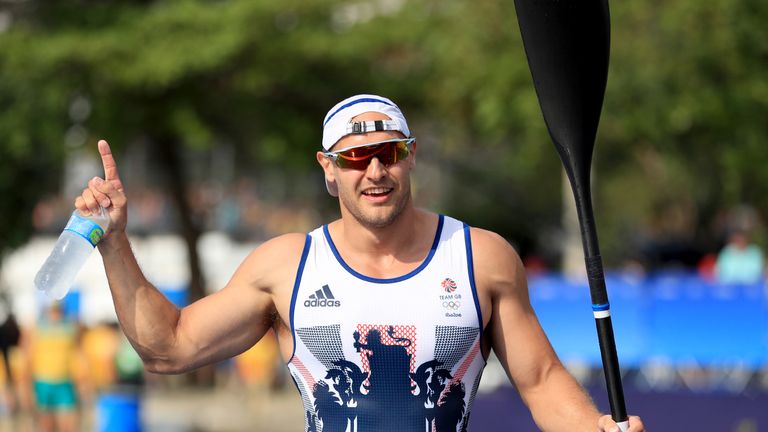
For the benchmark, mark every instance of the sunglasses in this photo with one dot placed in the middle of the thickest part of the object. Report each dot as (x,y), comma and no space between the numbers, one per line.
(358,157)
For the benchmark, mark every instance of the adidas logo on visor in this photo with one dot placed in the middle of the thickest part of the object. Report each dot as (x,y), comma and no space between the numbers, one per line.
(322,298)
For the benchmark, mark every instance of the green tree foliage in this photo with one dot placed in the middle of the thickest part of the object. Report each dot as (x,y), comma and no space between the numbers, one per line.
(184,74)
(682,137)
(683,129)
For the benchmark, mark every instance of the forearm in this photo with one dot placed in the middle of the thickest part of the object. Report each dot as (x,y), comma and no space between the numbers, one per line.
(560,404)
(147,318)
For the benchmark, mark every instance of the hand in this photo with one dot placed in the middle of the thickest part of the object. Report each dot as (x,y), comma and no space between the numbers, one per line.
(107,192)
(606,424)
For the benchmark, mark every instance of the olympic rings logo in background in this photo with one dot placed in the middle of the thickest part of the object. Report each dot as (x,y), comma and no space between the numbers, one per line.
(452,304)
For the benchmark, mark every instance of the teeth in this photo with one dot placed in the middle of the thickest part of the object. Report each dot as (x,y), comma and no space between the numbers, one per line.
(376,191)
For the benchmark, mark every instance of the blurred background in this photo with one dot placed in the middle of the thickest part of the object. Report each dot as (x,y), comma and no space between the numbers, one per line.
(213,109)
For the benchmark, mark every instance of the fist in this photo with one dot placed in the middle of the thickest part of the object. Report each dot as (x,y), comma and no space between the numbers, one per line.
(105,192)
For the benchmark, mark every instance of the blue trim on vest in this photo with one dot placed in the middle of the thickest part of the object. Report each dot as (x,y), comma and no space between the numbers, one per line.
(413,273)
(355,102)
(471,270)
(296,285)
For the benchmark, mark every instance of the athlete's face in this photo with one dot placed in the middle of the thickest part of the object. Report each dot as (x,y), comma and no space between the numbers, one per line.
(374,196)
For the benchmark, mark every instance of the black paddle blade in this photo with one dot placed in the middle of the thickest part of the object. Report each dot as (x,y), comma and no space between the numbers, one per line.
(567,43)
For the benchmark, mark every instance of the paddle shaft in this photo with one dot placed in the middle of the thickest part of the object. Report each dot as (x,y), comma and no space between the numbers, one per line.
(600,304)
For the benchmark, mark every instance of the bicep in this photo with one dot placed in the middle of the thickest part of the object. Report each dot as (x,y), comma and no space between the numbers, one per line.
(223,324)
(518,339)
(230,321)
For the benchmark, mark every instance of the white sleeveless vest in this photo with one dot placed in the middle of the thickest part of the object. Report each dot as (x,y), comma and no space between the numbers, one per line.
(379,355)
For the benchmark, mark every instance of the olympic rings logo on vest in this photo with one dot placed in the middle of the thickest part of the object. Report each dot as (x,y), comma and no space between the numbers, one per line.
(452,304)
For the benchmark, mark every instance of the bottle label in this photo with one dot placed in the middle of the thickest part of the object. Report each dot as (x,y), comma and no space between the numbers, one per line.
(86,229)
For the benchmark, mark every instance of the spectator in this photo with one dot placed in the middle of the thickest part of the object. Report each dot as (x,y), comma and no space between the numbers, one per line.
(52,351)
(99,345)
(9,338)
(740,261)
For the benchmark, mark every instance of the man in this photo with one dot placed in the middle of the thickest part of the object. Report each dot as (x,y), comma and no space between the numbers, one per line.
(385,316)
(52,350)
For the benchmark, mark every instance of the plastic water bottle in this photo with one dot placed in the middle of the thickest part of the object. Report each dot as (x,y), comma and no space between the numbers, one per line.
(72,249)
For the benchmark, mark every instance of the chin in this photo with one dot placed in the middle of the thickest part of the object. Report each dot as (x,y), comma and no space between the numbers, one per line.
(378,220)
(376,216)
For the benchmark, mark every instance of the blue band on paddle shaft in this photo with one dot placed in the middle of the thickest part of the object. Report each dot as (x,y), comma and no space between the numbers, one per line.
(602,310)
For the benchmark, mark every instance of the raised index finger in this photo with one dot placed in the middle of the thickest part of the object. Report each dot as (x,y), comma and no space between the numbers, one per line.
(110,167)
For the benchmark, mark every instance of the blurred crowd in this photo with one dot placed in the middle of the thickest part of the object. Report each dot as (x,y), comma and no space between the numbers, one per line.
(732,251)
(54,374)
(236,210)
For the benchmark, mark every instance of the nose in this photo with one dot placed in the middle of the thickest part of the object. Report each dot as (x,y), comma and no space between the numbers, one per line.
(376,170)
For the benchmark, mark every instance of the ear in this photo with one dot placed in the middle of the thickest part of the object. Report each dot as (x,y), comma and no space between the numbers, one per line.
(327,165)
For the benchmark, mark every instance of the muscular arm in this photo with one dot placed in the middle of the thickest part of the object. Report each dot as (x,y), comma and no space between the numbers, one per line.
(557,402)
(172,340)
(221,325)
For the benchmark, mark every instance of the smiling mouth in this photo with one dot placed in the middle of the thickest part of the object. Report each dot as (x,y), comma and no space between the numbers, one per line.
(377,192)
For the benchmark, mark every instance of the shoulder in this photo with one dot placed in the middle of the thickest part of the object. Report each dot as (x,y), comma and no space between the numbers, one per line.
(278,250)
(490,247)
(286,244)
(496,263)
(274,260)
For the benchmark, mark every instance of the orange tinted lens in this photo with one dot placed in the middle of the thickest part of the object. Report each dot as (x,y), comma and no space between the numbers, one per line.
(387,153)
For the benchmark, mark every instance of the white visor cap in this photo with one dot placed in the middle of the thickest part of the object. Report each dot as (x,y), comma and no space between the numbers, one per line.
(336,124)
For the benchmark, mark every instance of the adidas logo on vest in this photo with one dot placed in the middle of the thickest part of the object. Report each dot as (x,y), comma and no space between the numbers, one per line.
(322,298)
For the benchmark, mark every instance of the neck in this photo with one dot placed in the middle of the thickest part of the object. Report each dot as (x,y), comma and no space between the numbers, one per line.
(398,238)
(385,252)
(385,239)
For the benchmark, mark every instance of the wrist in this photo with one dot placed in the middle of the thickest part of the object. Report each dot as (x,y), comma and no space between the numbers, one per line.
(112,242)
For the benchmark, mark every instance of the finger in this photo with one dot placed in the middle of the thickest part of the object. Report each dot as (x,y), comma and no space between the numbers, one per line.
(96,186)
(90,201)
(606,424)
(80,205)
(635,424)
(110,167)
(113,190)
